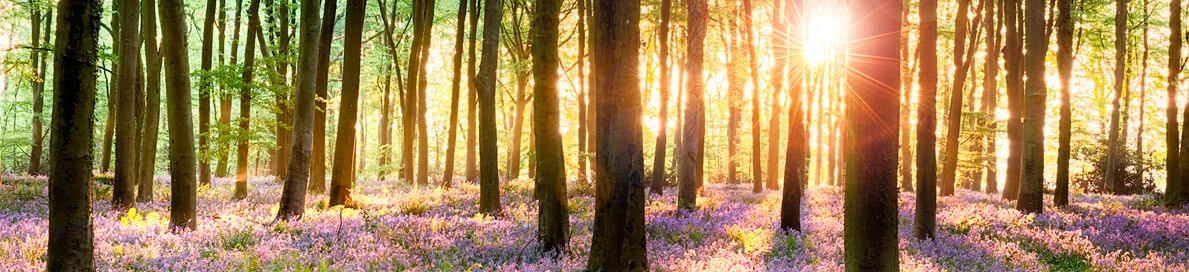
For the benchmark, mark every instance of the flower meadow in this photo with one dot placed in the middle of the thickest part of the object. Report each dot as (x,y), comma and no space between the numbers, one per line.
(404,227)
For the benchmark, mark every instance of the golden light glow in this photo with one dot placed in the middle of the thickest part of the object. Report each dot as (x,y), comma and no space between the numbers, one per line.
(825,34)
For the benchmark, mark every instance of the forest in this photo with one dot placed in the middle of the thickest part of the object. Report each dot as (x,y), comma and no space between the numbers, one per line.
(593,135)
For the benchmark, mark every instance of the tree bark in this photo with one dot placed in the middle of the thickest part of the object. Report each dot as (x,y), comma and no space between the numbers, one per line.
(152,111)
(949,170)
(455,89)
(925,221)
(342,178)
(735,81)
(797,152)
(990,99)
(688,179)
(245,102)
(658,162)
(1176,193)
(618,241)
(294,192)
(225,104)
(71,235)
(869,227)
(183,191)
(325,37)
(124,188)
(1032,182)
(1012,60)
(906,75)
(38,85)
(554,219)
(779,61)
(472,171)
(489,190)
(1114,184)
(204,95)
(1065,70)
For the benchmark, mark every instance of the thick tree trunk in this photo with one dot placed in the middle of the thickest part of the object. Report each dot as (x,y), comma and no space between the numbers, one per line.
(342,176)
(1175,192)
(797,152)
(869,227)
(618,241)
(294,192)
(318,158)
(455,89)
(124,188)
(1032,182)
(1114,184)
(1065,70)
(1012,60)
(152,110)
(71,235)
(554,218)
(658,162)
(925,221)
(688,179)
(489,190)
(183,190)
(245,102)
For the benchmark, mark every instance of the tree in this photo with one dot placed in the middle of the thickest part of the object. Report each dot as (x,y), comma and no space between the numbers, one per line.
(421,25)
(519,50)
(1114,143)
(472,172)
(38,62)
(688,175)
(1065,70)
(204,95)
(71,234)
(906,147)
(245,102)
(1032,182)
(869,227)
(554,218)
(124,187)
(779,58)
(455,89)
(797,152)
(735,79)
(618,241)
(489,183)
(318,158)
(225,104)
(1176,193)
(152,111)
(756,171)
(293,195)
(342,176)
(925,220)
(990,99)
(962,57)
(1012,59)
(183,190)
(658,162)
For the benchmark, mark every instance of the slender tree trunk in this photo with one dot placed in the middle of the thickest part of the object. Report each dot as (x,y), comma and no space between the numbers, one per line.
(1143,97)
(1065,70)
(205,87)
(71,234)
(422,125)
(342,176)
(735,83)
(1175,192)
(109,129)
(658,161)
(1115,184)
(925,222)
(385,137)
(517,124)
(245,102)
(954,122)
(869,227)
(152,112)
(294,192)
(124,188)
(325,37)
(990,99)
(797,152)
(779,61)
(455,89)
(753,68)
(906,75)
(695,122)
(472,171)
(489,190)
(226,104)
(1012,60)
(1032,182)
(618,241)
(183,191)
(554,218)
(38,86)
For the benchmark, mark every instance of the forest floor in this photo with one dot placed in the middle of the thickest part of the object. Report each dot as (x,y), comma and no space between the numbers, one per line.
(403,227)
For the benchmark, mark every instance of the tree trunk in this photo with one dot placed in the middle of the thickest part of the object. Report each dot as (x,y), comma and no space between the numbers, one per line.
(1176,193)
(455,89)
(658,161)
(990,99)
(869,227)
(71,234)
(489,190)
(1065,70)
(753,68)
(1143,97)
(183,191)
(618,242)
(797,152)
(695,123)
(293,195)
(949,170)
(245,102)
(1012,60)
(1115,184)
(472,171)
(318,158)
(925,221)
(517,124)
(342,178)
(225,104)
(905,102)
(152,112)
(38,86)
(422,126)
(735,83)
(1032,182)
(779,61)
(124,188)
(554,218)
(204,95)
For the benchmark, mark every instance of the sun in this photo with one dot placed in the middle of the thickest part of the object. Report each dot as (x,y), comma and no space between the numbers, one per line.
(825,33)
